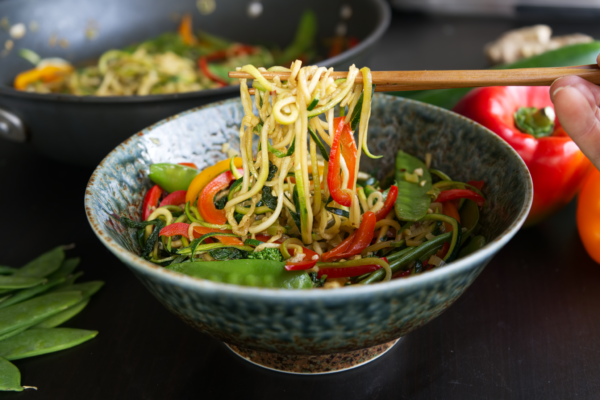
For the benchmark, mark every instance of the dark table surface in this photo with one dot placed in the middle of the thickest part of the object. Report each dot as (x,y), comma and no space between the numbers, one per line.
(527,328)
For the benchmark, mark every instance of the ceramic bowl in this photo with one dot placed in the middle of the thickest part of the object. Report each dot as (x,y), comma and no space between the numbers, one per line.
(313,321)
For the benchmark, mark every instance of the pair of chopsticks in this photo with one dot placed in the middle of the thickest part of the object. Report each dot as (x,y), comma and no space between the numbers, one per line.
(396,81)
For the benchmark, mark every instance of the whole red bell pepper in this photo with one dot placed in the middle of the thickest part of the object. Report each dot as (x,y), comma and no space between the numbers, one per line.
(524,117)
(343,145)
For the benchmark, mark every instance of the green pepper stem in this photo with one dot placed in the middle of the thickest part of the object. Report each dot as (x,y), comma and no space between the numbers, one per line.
(538,122)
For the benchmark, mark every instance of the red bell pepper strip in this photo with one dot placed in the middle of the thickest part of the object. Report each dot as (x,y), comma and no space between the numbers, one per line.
(477,184)
(175,229)
(206,204)
(448,195)
(400,274)
(388,205)
(343,145)
(361,239)
(174,199)
(308,262)
(557,166)
(151,201)
(204,68)
(188,164)
(347,272)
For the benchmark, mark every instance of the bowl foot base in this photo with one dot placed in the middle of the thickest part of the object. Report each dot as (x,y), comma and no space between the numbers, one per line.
(313,365)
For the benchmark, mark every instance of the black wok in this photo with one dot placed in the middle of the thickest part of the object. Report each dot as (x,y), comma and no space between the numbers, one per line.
(82,130)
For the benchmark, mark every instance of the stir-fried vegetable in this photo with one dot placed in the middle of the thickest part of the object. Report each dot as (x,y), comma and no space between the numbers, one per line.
(170,63)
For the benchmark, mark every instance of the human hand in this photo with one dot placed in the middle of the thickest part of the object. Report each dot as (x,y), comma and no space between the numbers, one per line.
(576,103)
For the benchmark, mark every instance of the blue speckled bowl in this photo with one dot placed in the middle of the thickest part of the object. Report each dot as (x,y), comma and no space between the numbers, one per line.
(315,321)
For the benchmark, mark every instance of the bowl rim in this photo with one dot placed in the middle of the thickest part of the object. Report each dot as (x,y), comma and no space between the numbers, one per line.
(157,272)
(383,21)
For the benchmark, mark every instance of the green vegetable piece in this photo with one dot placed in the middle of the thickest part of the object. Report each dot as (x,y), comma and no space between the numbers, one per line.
(87,289)
(25,294)
(44,265)
(63,316)
(172,177)
(65,269)
(14,332)
(408,255)
(413,201)
(475,244)
(36,310)
(34,342)
(9,283)
(319,144)
(314,101)
(271,254)
(281,154)
(4,270)
(68,281)
(304,39)
(10,377)
(469,216)
(259,273)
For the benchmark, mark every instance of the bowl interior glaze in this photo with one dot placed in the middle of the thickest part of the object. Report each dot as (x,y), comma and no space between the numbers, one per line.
(317,321)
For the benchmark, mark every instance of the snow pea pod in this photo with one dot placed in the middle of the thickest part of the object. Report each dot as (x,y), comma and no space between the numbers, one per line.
(10,376)
(475,244)
(87,289)
(4,270)
(69,281)
(258,273)
(36,310)
(413,201)
(469,216)
(63,316)
(44,265)
(66,268)
(25,294)
(172,177)
(9,283)
(34,342)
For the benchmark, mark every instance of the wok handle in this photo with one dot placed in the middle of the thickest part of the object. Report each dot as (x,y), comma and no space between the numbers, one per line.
(11,127)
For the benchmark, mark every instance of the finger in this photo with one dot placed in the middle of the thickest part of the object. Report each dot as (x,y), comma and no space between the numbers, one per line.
(576,103)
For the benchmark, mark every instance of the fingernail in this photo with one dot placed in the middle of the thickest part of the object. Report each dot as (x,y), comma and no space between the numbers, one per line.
(559,89)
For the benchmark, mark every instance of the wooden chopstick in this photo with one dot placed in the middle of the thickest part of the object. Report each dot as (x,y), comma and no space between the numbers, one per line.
(387,81)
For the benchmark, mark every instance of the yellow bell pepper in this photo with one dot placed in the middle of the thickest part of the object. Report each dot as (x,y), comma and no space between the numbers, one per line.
(48,73)
(206,176)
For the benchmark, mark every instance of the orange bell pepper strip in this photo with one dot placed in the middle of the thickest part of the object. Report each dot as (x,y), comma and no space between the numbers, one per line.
(343,145)
(206,176)
(451,211)
(48,73)
(201,230)
(185,30)
(182,229)
(359,240)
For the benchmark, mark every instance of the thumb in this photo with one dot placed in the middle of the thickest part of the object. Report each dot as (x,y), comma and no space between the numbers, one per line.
(576,103)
